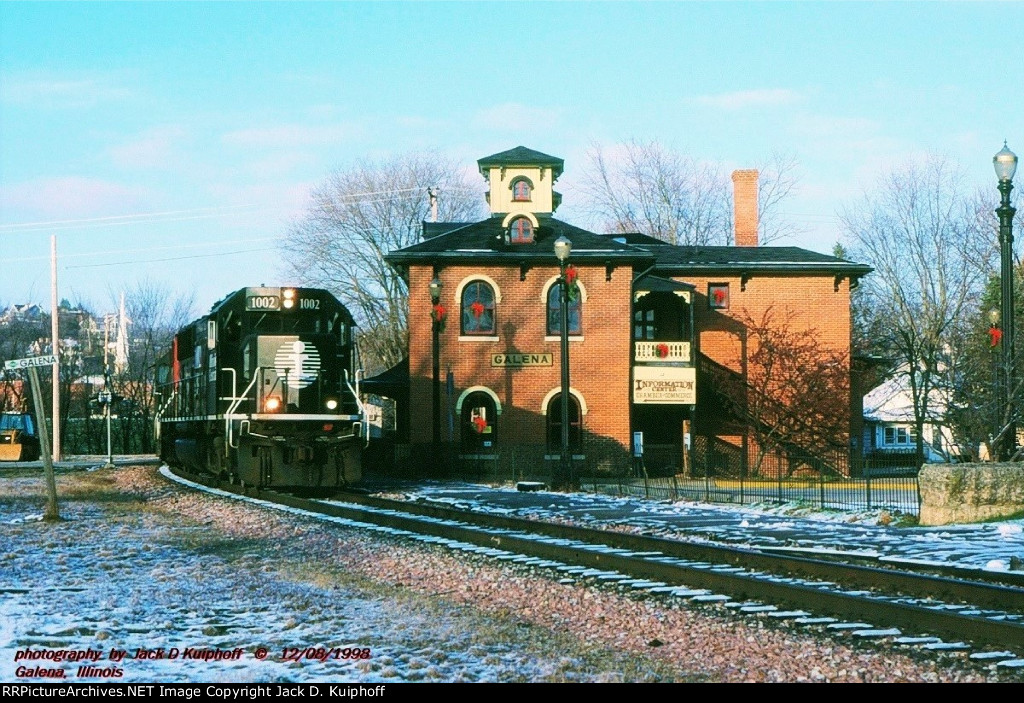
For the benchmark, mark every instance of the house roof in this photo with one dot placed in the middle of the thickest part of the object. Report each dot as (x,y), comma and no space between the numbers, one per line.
(892,401)
(671,257)
(657,284)
(484,241)
(521,156)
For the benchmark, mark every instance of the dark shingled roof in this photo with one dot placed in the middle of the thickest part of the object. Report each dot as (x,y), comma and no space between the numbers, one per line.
(484,241)
(693,258)
(521,156)
(657,284)
(432,229)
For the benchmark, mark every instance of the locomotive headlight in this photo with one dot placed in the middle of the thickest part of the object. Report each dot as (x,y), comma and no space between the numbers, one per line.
(272,404)
(289,298)
(332,404)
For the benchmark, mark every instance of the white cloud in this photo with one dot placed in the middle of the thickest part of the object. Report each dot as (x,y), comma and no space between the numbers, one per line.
(75,91)
(744,99)
(290,135)
(154,148)
(71,196)
(518,117)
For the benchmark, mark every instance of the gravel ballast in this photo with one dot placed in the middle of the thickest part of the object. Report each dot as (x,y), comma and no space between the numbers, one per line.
(140,563)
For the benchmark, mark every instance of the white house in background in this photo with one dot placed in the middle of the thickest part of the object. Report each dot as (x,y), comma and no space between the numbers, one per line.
(889,421)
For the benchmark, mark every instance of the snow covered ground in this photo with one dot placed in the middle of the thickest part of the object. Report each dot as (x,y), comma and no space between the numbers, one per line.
(140,564)
(995,546)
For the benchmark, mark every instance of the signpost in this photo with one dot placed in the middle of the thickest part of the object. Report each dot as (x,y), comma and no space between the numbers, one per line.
(32,363)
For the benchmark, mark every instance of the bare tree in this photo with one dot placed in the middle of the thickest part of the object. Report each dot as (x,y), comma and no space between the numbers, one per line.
(18,338)
(793,393)
(648,188)
(359,215)
(154,315)
(932,254)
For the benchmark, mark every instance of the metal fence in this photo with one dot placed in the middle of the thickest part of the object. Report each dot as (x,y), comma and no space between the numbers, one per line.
(881,482)
(895,493)
(714,471)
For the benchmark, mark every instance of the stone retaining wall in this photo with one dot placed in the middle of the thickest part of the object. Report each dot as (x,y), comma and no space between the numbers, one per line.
(964,493)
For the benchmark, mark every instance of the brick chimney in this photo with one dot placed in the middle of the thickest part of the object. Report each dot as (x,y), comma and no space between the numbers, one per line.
(744,202)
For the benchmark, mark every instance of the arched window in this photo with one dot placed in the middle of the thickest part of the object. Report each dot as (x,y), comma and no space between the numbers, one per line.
(478,423)
(478,308)
(661,316)
(555,312)
(520,231)
(521,190)
(554,423)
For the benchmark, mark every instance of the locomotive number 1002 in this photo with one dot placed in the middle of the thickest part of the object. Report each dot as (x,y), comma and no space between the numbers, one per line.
(262,302)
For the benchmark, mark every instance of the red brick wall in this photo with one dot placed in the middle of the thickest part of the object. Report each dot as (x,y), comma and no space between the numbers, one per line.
(599,365)
(745,223)
(812,300)
(598,368)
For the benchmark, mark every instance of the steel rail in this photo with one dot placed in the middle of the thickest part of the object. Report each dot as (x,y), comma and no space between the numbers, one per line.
(907,582)
(647,558)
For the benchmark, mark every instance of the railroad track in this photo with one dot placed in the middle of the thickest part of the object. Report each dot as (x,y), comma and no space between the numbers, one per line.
(870,602)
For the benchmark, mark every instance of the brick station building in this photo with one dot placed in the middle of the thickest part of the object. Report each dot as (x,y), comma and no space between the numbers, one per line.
(651,328)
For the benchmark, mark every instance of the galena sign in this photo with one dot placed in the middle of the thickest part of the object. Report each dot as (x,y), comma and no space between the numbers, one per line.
(669,385)
(519,359)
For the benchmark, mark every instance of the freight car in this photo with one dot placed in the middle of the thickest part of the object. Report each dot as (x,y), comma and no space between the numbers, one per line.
(264,391)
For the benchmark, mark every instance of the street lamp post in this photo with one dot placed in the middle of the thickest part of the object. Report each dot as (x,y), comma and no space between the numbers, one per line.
(563,247)
(997,397)
(435,437)
(1005,163)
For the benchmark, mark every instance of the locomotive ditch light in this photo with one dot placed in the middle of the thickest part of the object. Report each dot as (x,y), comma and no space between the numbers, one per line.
(332,404)
(272,404)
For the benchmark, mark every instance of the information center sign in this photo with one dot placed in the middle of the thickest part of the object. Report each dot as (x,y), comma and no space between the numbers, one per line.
(669,385)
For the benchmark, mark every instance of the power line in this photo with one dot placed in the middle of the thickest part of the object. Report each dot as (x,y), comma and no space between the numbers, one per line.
(211,212)
(147,249)
(171,258)
(122,217)
(133,222)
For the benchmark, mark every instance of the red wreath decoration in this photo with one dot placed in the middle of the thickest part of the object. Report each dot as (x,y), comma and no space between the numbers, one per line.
(572,287)
(479,424)
(719,296)
(477,309)
(995,334)
(439,314)
(662,350)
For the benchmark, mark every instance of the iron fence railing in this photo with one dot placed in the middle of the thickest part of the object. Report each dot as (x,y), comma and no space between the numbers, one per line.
(810,481)
(714,471)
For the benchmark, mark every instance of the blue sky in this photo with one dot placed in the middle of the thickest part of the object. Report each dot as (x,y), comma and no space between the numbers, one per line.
(219,117)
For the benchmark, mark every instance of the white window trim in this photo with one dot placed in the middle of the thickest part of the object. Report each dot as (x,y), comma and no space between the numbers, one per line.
(555,391)
(476,277)
(474,389)
(552,281)
(557,338)
(516,215)
(477,338)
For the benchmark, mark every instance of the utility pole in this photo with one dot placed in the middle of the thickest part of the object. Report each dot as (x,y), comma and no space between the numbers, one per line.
(55,337)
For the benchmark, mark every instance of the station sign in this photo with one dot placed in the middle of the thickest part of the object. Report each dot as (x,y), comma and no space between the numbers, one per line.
(31,361)
(518,360)
(666,385)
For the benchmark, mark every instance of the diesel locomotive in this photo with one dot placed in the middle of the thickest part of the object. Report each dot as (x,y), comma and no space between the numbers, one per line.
(264,391)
